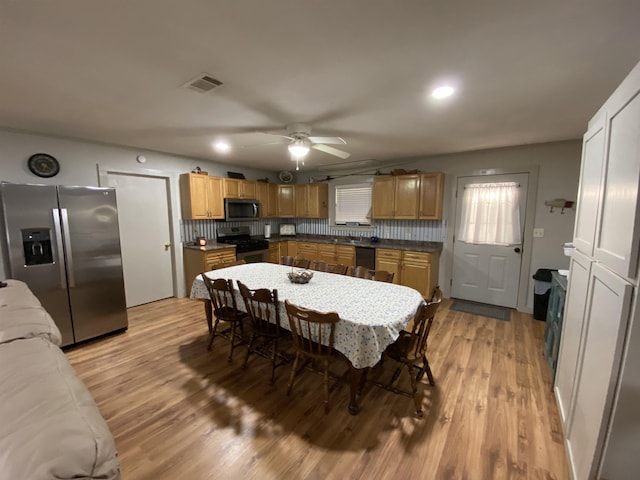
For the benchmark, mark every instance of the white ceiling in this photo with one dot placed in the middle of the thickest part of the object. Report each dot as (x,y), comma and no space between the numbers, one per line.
(112,71)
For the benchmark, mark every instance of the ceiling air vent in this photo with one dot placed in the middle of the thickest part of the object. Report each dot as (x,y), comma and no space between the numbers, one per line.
(203,83)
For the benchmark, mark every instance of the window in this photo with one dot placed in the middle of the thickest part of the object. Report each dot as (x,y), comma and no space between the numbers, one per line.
(353,204)
(491,214)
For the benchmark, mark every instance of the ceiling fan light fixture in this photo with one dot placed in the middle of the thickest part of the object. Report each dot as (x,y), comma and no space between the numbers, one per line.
(443,91)
(299,148)
(221,146)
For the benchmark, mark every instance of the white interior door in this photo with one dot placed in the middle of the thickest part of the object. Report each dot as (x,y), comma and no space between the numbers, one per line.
(143,214)
(488,273)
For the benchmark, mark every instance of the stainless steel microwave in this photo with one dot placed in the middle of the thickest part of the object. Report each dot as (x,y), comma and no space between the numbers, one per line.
(236,209)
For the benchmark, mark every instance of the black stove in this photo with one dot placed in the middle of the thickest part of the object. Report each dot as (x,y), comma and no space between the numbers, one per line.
(241,238)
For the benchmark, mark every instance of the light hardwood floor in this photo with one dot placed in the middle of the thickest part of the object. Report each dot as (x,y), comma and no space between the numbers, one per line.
(178,411)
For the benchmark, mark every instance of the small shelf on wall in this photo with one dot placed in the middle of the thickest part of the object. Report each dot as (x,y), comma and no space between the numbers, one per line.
(560,203)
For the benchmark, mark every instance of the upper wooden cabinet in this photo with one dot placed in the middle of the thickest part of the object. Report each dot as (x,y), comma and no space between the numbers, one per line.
(317,200)
(272,207)
(201,197)
(431,193)
(267,195)
(286,201)
(382,198)
(237,188)
(312,200)
(408,197)
(301,200)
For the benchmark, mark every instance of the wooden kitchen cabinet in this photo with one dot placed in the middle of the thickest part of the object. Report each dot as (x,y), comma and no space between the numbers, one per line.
(311,200)
(408,197)
(418,270)
(301,200)
(317,200)
(272,210)
(415,272)
(263,195)
(382,197)
(405,198)
(308,250)
(342,254)
(286,201)
(201,197)
(197,261)
(431,194)
(274,252)
(389,260)
(277,250)
(238,188)
(396,197)
(291,248)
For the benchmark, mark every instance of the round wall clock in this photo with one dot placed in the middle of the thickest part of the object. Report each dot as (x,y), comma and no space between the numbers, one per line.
(285,176)
(43,165)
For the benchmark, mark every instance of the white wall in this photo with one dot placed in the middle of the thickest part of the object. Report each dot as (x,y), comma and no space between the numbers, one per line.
(80,162)
(557,167)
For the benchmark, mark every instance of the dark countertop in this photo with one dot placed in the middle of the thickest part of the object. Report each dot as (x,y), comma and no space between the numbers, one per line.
(211,245)
(412,245)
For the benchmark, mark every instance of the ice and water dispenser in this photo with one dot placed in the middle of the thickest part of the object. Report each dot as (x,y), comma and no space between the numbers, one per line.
(36,243)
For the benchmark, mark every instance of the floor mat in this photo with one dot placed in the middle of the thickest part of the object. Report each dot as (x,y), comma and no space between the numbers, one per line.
(482,309)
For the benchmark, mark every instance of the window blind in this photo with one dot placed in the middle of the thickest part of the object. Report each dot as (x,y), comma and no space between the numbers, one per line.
(353,204)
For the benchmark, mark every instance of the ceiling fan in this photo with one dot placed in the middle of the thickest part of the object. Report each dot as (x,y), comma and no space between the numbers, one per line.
(301,141)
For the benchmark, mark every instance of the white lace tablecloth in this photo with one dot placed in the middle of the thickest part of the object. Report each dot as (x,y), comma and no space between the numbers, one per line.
(371,313)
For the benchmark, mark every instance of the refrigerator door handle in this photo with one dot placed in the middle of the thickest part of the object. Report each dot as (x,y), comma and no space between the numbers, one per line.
(67,244)
(56,224)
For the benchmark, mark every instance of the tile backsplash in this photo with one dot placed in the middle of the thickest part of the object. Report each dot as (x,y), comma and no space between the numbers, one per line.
(419,230)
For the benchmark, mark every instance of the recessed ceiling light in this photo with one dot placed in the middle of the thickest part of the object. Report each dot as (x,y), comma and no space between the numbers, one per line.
(221,147)
(443,92)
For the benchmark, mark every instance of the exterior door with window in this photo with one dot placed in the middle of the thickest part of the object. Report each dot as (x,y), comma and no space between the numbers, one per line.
(490,214)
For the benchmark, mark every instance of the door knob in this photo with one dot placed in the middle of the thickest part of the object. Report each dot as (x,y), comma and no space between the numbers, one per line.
(517,249)
(167,246)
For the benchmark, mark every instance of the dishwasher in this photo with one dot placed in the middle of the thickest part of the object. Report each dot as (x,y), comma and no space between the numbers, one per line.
(366,257)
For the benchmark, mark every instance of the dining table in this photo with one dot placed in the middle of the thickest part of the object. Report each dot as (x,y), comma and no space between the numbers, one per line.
(372,313)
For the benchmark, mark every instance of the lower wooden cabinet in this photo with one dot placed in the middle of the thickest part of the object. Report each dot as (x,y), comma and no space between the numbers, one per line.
(198,261)
(277,250)
(418,270)
(389,260)
(308,250)
(343,254)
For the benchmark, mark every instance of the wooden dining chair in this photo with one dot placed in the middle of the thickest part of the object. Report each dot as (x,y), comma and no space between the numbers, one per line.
(262,306)
(297,262)
(377,275)
(224,309)
(410,348)
(313,337)
(330,267)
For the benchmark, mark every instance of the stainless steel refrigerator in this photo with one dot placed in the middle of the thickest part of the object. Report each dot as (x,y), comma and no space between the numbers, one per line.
(64,242)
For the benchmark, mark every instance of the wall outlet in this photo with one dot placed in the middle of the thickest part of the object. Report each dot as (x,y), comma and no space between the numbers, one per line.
(538,232)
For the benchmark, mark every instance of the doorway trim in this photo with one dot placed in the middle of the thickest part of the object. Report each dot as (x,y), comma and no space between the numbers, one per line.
(527,241)
(171,178)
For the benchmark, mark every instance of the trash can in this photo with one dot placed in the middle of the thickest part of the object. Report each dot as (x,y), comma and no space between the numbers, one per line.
(541,292)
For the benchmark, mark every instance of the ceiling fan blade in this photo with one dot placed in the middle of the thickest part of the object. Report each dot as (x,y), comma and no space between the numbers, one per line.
(330,140)
(262,144)
(279,135)
(331,151)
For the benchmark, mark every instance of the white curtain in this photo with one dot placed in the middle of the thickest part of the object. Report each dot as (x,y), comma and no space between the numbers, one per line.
(491,214)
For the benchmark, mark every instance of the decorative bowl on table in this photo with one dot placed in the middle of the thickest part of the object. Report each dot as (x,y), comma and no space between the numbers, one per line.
(300,276)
